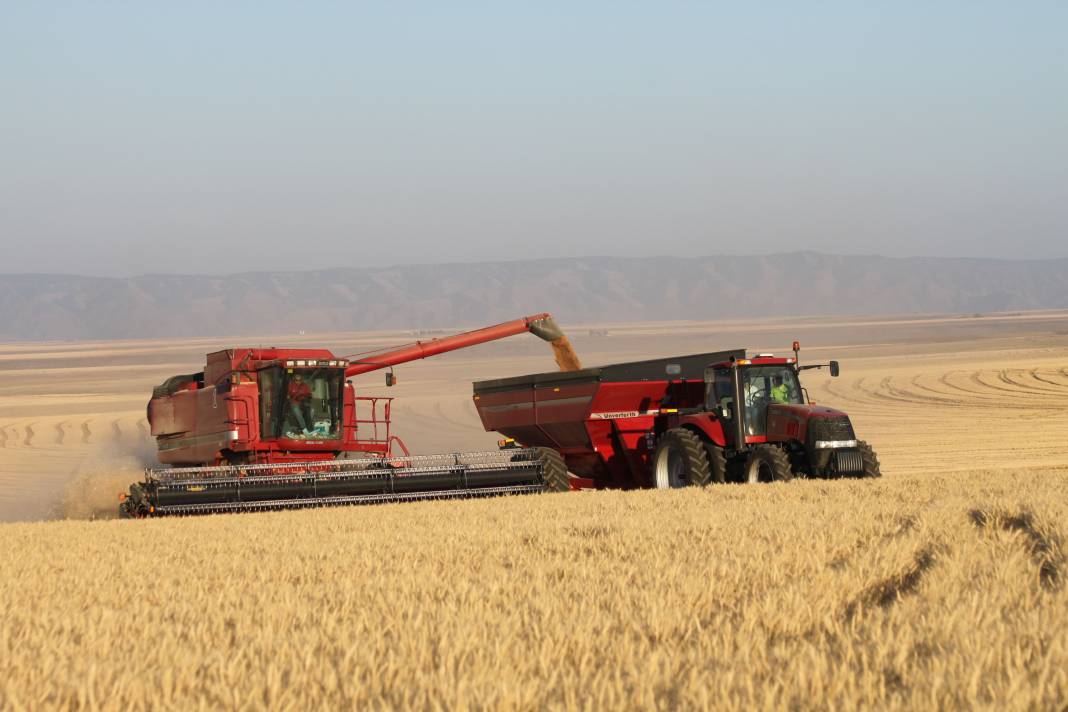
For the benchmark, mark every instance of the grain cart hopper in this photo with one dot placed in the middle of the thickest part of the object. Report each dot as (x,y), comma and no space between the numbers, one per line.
(673,422)
(270,428)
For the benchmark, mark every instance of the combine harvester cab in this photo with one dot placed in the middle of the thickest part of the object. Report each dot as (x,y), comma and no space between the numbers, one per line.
(266,406)
(282,428)
(673,422)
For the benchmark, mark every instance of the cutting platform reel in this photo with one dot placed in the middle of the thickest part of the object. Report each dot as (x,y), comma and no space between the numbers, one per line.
(207,490)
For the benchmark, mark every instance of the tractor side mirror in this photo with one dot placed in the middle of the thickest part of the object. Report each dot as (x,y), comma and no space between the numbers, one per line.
(834,369)
(390,379)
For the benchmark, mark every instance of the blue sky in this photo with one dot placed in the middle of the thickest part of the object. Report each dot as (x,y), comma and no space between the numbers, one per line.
(220,137)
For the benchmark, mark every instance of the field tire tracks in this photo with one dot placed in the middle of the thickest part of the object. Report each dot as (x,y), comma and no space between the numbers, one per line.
(888,591)
(1045,550)
(1009,377)
(1035,375)
(944,379)
(977,378)
(937,396)
(903,525)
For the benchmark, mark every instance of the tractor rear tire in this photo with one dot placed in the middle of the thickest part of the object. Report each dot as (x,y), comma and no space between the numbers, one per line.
(871,462)
(680,461)
(767,463)
(717,463)
(554,469)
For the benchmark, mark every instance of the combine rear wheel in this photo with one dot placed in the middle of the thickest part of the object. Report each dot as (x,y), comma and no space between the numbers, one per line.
(680,460)
(871,462)
(554,469)
(767,463)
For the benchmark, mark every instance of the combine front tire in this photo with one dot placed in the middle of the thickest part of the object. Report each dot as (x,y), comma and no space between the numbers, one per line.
(554,469)
(871,462)
(767,463)
(680,460)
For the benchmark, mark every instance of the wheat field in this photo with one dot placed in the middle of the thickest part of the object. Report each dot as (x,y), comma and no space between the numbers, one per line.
(942,585)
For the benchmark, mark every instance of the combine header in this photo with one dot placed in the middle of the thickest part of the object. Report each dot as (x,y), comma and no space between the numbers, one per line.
(283,428)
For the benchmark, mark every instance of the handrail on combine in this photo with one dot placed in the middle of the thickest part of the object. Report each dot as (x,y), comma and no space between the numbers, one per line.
(373,421)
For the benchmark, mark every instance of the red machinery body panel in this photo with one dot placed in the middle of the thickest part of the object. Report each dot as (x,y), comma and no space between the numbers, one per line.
(606,421)
(790,421)
(295,405)
(599,419)
(216,416)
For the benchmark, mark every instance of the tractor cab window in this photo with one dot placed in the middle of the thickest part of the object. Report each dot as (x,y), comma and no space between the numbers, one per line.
(761,386)
(764,385)
(301,403)
(719,392)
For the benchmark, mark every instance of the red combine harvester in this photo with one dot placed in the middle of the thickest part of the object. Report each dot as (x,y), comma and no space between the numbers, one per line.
(674,422)
(281,428)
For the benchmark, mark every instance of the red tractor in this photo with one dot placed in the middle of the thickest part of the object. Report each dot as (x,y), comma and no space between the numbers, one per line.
(689,420)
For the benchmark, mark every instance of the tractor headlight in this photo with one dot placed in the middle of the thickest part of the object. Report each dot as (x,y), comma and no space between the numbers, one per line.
(834,444)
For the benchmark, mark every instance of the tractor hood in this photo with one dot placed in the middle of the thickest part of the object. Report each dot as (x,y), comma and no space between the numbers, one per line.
(789,421)
(803,411)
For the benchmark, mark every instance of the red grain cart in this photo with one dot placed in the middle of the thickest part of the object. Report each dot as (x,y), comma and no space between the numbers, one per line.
(674,422)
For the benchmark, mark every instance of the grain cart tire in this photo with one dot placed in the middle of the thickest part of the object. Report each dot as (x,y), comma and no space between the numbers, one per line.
(554,469)
(767,463)
(680,461)
(717,463)
(871,462)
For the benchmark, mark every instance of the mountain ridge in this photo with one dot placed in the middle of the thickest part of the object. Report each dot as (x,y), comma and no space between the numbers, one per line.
(588,289)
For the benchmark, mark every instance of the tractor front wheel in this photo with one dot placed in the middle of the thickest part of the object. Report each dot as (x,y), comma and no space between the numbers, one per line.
(717,463)
(871,462)
(680,460)
(767,463)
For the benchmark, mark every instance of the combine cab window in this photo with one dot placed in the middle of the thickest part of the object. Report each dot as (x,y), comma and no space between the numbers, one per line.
(270,380)
(301,403)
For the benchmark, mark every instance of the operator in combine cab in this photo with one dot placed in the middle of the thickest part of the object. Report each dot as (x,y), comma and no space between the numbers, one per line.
(300,402)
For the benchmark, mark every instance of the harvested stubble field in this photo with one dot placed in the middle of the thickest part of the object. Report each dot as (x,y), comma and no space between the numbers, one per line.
(943,585)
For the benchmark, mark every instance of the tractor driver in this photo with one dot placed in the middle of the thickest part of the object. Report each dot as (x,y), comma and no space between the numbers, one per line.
(300,402)
(779,392)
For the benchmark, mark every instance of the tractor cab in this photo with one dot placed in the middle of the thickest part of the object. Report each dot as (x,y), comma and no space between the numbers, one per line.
(773,405)
(764,382)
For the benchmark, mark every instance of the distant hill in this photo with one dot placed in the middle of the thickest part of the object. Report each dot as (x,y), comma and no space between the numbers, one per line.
(594,289)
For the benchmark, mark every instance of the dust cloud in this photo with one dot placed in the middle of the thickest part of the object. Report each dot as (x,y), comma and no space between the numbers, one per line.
(93,491)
